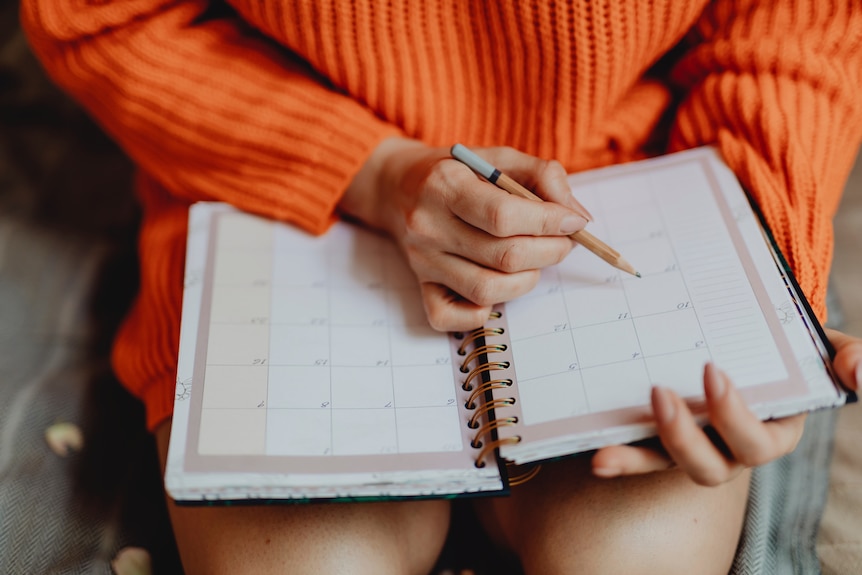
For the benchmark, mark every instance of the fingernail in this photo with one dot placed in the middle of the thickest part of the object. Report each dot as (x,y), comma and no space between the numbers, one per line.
(858,377)
(571,224)
(607,471)
(662,404)
(713,382)
(579,207)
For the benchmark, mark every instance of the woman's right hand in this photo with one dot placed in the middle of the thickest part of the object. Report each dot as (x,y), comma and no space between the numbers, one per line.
(471,244)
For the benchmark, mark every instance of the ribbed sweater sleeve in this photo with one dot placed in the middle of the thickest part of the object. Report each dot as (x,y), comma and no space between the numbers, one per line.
(205,105)
(776,86)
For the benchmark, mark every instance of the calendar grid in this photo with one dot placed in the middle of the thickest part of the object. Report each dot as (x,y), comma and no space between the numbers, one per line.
(351,366)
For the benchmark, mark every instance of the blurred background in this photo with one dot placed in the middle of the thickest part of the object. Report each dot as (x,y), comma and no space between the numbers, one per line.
(840,541)
(67,274)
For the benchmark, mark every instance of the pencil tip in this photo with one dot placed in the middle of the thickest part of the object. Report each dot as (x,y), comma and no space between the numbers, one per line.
(638,274)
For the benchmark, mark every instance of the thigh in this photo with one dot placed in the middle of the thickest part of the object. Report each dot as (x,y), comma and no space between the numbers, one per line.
(565,520)
(379,538)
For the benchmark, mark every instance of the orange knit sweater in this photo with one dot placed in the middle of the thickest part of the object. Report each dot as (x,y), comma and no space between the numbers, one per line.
(274,105)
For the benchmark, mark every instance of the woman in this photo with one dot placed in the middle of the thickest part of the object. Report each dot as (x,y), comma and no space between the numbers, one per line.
(304,111)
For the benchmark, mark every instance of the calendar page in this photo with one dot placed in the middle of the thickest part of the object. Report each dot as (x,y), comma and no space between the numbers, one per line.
(308,370)
(589,342)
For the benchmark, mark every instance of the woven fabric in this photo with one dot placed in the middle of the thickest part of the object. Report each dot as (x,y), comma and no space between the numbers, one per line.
(785,505)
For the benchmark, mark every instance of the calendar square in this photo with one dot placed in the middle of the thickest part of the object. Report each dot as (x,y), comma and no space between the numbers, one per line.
(606,343)
(670,332)
(299,387)
(232,432)
(360,346)
(364,432)
(657,293)
(428,429)
(246,304)
(595,304)
(300,305)
(424,386)
(238,344)
(235,386)
(544,355)
(299,432)
(616,385)
(299,345)
(361,387)
(552,397)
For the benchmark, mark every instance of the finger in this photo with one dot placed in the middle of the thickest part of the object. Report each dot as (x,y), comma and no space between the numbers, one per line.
(619,460)
(475,283)
(512,254)
(500,214)
(687,444)
(848,358)
(447,311)
(545,178)
(751,441)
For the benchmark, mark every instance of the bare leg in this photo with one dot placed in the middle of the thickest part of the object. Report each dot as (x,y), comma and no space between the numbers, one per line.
(567,521)
(378,538)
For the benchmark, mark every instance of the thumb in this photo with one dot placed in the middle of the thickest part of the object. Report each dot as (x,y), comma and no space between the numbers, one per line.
(848,358)
(545,178)
(553,185)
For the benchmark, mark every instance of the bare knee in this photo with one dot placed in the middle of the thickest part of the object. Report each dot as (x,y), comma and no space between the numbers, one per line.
(357,538)
(570,522)
(376,538)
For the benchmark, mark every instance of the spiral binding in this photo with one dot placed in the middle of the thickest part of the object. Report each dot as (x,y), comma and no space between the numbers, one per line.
(480,351)
(485,439)
(488,406)
(486,386)
(525,473)
(476,334)
(480,369)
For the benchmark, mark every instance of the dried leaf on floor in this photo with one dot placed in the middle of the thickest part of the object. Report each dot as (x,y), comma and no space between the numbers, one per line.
(64,438)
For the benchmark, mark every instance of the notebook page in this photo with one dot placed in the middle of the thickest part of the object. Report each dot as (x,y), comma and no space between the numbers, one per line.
(589,342)
(313,371)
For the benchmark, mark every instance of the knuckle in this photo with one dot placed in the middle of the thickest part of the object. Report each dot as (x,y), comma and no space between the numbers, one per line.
(511,257)
(447,174)
(499,219)
(553,169)
(444,179)
(506,154)
(419,227)
(549,222)
(482,290)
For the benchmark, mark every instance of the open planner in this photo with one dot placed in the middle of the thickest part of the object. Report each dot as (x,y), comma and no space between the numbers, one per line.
(307,368)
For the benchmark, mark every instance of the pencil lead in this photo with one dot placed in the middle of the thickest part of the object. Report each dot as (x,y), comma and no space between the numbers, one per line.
(638,274)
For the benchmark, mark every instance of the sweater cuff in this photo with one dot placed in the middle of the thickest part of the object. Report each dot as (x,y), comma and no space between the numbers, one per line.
(158,397)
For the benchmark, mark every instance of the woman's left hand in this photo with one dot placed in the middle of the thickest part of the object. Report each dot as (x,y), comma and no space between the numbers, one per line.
(747,440)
